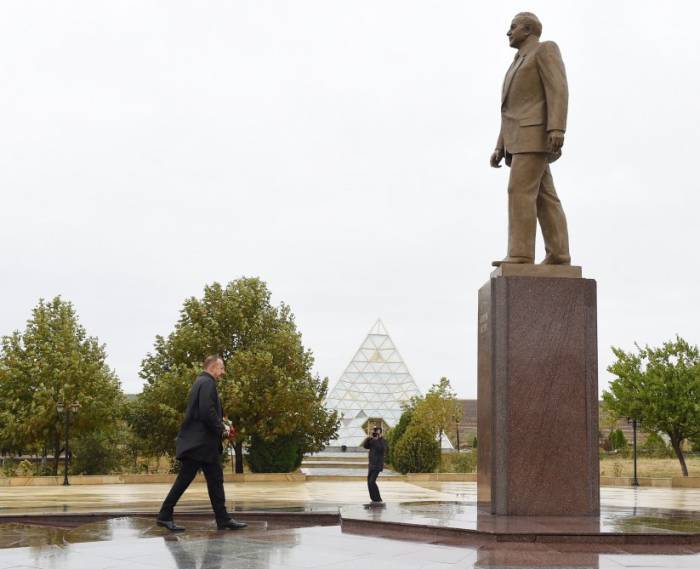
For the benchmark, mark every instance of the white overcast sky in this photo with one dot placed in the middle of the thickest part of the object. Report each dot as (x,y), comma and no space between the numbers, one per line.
(339,151)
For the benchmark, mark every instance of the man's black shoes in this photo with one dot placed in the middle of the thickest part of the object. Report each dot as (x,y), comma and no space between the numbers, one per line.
(169,524)
(231,524)
(228,524)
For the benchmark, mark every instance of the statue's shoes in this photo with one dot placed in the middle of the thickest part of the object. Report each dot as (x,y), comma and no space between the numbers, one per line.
(513,260)
(556,260)
(169,524)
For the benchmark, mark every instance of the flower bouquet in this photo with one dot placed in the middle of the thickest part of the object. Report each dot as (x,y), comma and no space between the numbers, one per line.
(229,433)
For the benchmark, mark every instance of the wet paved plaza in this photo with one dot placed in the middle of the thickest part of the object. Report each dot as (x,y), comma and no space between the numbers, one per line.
(136,543)
(318,494)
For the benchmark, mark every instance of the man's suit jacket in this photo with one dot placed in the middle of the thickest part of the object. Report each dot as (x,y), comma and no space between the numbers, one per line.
(534,99)
(377,450)
(202,429)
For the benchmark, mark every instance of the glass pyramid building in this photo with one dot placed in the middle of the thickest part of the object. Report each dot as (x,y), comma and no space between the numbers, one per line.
(372,387)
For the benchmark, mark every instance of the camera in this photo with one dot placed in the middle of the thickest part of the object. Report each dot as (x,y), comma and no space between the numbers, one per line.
(376,431)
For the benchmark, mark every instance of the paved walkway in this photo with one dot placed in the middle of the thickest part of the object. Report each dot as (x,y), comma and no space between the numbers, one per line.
(135,543)
(308,495)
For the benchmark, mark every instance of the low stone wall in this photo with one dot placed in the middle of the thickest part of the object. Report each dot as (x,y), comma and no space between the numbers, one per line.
(441,477)
(58,480)
(675,482)
(83,479)
(685,482)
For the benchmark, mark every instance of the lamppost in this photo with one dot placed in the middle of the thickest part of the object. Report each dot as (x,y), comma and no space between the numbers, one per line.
(457,421)
(66,409)
(635,424)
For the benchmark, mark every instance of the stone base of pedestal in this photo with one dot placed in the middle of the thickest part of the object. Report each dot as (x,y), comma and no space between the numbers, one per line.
(538,395)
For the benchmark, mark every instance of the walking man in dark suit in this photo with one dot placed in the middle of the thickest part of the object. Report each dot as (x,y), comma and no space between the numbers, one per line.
(534,105)
(199,446)
(377,448)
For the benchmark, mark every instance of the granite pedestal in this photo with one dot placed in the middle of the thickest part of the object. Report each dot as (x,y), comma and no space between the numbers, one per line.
(538,393)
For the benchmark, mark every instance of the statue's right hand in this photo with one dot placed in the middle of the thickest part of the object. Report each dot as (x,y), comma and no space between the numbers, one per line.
(496,158)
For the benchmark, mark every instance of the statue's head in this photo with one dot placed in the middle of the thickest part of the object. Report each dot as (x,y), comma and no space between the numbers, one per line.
(524,25)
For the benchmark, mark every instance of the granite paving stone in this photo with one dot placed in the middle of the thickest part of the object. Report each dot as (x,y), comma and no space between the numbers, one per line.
(137,543)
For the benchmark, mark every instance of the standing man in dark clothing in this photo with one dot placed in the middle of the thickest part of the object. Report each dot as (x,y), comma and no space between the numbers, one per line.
(199,446)
(377,449)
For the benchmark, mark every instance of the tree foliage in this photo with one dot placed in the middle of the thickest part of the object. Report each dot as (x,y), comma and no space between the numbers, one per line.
(439,408)
(99,451)
(280,455)
(394,435)
(661,388)
(656,447)
(53,360)
(268,391)
(617,440)
(416,451)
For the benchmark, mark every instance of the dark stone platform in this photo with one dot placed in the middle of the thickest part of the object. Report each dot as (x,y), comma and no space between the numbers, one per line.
(538,393)
(465,523)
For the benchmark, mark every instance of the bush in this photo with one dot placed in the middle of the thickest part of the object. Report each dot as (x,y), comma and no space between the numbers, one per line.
(458,462)
(656,447)
(393,436)
(25,468)
(97,452)
(280,455)
(617,440)
(43,468)
(174,465)
(618,469)
(416,451)
(695,444)
(9,467)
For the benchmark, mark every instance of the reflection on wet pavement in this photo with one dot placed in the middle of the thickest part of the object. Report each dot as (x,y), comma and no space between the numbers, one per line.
(307,495)
(241,496)
(136,543)
(466,516)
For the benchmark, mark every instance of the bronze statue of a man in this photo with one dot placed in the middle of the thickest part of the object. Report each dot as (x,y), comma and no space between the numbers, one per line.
(534,104)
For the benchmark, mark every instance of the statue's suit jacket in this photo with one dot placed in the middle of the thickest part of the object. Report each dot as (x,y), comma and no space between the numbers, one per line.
(534,100)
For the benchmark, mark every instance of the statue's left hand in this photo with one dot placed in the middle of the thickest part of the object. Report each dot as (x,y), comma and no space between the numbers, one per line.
(555,141)
(496,158)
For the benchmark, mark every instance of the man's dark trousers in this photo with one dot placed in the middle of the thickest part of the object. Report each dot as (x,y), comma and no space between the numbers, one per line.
(215,485)
(372,484)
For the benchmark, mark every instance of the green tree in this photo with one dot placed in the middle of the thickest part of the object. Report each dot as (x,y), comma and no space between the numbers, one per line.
(661,388)
(617,440)
(393,436)
(100,451)
(416,451)
(53,360)
(438,409)
(695,443)
(280,455)
(269,390)
(655,446)
(136,445)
